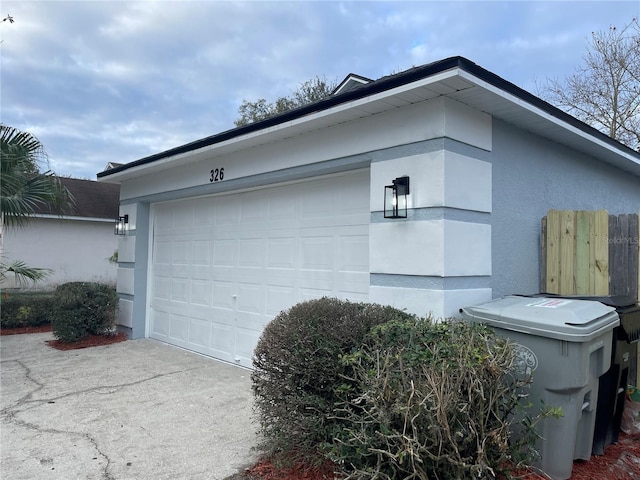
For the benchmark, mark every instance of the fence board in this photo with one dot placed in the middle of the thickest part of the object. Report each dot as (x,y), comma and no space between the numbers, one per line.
(567,252)
(583,241)
(553,252)
(601,260)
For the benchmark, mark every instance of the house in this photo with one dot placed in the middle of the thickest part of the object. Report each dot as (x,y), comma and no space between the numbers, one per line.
(75,246)
(225,232)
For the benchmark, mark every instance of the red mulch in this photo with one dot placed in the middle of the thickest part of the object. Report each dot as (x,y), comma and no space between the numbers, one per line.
(90,341)
(619,462)
(265,470)
(21,330)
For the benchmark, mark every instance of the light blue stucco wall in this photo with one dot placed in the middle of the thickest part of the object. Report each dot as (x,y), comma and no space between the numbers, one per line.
(531,176)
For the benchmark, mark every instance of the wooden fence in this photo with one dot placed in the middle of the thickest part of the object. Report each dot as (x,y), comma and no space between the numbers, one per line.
(591,253)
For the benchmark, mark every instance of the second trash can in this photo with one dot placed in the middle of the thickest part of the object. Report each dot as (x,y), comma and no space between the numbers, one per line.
(567,345)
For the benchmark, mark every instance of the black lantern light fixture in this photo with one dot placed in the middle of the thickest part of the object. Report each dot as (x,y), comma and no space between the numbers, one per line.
(122,225)
(395,198)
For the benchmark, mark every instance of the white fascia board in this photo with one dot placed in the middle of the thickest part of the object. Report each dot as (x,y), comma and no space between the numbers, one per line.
(279,131)
(72,218)
(550,118)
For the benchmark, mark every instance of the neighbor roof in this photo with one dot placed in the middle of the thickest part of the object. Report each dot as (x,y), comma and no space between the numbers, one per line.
(455,77)
(92,199)
(351,82)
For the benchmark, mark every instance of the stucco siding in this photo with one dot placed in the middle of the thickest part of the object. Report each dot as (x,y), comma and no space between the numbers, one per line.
(75,250)
(530,176)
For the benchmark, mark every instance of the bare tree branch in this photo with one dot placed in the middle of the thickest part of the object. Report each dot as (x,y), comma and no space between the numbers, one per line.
(604,91)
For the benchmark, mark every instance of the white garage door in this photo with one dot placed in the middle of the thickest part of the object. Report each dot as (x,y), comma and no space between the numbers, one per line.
(224,266)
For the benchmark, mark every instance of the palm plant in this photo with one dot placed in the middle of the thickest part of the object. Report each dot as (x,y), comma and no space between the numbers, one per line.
(23,189)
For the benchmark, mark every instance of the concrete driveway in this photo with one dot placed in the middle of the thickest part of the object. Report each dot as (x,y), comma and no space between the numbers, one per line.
(133,410)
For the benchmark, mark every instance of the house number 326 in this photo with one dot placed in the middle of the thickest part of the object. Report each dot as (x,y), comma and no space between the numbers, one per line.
(217,174)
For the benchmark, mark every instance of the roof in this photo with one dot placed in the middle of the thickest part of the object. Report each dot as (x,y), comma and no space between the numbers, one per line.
(92,199)
(454,77)
(351,82)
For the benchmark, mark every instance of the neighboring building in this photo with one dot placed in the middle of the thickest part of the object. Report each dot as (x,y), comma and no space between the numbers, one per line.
(75,246)
(227,231)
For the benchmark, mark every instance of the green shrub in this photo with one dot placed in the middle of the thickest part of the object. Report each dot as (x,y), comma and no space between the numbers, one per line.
(432,401)
(298,371)
(25,309)
(82,309)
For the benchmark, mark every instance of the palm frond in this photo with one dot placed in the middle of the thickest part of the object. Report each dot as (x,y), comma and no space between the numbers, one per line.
(23,273)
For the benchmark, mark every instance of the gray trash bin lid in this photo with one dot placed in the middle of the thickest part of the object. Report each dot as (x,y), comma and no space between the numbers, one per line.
(558,318)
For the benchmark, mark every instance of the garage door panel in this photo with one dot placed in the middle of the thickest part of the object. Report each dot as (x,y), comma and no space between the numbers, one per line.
(313,294)
(316,253)
(237,260)
(351,282)
(180,290)
(199,332)
(179,328)
(278,298)
(180,254)
(281,208)
(201,252)
(282,252)
(162,253)
(315,203)
(252,207)
(223,294)
(250,298)
(246,341)
(160,324)
(222,338)
(354,253)
(162,288)
(251,252)
(201,292)
(225,252)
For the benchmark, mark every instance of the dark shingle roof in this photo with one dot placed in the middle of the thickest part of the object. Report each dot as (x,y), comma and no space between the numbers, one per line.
(92,199)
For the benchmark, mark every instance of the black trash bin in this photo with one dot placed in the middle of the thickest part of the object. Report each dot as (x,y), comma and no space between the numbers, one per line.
(613,384)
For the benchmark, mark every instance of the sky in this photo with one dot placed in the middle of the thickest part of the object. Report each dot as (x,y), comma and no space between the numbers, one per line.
(115,81)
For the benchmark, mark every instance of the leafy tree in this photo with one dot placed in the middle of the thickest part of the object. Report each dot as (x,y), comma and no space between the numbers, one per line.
(308,92)
(23,188)
(604,92)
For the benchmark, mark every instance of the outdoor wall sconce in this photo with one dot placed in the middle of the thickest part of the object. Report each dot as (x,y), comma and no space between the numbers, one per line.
(122,225)
(395,198)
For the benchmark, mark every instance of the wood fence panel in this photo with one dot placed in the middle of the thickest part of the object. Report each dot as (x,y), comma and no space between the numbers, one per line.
(623,254)
(567,252)
(583,252)
(553,250)
(601,258)
(576,255)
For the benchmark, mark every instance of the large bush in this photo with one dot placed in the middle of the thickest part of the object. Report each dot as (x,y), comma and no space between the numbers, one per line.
(25,309)
(432,401)
(298,373)
(82,309)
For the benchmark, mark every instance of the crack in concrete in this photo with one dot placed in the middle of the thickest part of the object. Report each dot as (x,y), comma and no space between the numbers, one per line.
(10,412)
(113,389)
(28,376)
(106,475)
